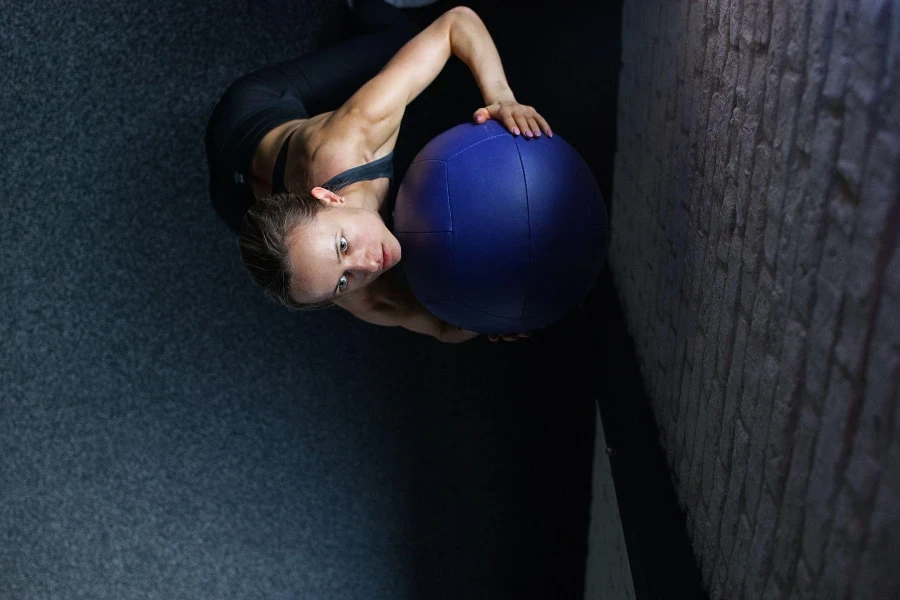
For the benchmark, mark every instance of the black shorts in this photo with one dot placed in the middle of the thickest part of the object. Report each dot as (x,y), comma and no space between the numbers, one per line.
(298,89)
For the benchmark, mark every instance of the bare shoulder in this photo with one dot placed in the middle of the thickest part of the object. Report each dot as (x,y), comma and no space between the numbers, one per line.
(344,141)
(387,295)
(391,303)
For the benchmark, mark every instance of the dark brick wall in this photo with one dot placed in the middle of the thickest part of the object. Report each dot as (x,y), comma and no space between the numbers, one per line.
(755,220)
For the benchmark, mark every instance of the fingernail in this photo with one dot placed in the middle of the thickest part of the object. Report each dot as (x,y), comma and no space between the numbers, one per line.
(515,131)
(527,133)
(550,133)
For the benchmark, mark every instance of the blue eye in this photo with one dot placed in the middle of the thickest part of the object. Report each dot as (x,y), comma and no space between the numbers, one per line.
(342,282)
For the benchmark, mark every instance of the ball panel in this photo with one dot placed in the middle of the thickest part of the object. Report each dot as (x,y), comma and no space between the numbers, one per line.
(421,204)
(429,273)
(459,138)
(564,207)
(489,208)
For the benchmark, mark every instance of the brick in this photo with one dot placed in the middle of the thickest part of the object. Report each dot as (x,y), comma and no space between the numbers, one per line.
(720,572)
(766,300)
(732,508)
(697,535)
(738,558)
(748,20)
(878,576)
(881,393)
(862,474)
(789,241)
(840,554)
(889,102)
(839,62)
(714,319)
(716,505)
(696,400)
(804,584)
(852,153)
(734,13)
(710,553)
(812,222)
(711,453)
(757,88)
(871,39)
(792,358)
(763,23)
(798,21)
(824,476)
(788,532)
(880,187)
(683,404)
(747,137)
(759,564)
(782,143)
(773,588)
(699,447)
(821,338)
(891,278)
(712,14)
(759,428)
(732,392)
(753,232)
(821,23)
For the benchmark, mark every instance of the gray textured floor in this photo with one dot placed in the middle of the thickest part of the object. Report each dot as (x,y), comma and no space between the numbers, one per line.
(166,432)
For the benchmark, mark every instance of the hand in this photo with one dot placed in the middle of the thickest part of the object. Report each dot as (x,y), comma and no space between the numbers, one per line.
(515,117)
(509,337)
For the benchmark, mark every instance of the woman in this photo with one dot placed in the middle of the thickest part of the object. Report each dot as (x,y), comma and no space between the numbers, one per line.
(300,161)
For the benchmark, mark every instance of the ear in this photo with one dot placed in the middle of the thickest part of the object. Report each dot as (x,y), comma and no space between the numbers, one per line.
(326,196)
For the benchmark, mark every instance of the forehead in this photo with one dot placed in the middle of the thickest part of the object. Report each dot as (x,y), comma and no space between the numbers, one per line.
(312,259)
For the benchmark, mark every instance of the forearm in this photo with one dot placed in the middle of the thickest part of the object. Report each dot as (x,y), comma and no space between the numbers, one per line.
(472,44)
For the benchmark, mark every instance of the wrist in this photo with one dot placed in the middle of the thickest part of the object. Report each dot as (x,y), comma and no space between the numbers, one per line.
(501,94)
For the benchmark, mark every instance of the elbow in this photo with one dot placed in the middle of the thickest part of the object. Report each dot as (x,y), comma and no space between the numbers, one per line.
(462,10)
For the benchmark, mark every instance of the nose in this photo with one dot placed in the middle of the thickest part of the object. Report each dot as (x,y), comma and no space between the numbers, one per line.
(370,262)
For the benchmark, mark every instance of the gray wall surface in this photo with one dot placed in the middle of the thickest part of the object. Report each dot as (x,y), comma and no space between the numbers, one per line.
(754,225)
(607,570)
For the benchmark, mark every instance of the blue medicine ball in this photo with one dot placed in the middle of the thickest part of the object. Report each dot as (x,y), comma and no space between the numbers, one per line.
(500,234)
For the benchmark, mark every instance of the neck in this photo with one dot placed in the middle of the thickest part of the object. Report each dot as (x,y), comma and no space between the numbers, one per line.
(361,195)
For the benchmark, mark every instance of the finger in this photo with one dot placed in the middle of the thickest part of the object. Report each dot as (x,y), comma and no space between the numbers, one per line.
(510,124)
(523,125)
(493,338)
(544,124)
(532,124)
(481,114)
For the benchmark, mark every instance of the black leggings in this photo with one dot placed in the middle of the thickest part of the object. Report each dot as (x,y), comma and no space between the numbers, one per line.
(297,89)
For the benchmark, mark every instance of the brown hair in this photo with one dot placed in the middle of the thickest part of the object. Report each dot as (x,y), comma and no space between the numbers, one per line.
(264,234)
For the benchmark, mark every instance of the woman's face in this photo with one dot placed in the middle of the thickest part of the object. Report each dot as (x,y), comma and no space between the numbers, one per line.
(340,252)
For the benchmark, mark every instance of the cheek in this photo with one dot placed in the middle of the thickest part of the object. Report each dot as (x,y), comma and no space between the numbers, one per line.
(376,231)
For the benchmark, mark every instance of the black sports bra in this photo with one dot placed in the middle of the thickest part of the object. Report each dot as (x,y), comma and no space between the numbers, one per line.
(383,167)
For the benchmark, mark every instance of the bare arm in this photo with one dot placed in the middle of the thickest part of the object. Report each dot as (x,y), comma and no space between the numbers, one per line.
(377,108)
(418,320)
